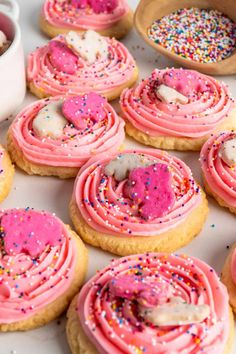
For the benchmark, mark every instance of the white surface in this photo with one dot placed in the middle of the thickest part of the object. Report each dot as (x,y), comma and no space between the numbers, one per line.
(53,195)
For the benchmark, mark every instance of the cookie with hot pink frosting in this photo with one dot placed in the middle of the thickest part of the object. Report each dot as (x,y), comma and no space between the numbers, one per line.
(177,109)
(73,65)
(57,136)
(141,200)
(6,173)
(152,303)
(218,162)
(111,18)
(47,263)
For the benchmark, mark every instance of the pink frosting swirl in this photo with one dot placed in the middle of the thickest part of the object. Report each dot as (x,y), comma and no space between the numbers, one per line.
(220,177)
(72,149)
(209,103)
(104,205)
(63,14)
(101,77)
(113,325)
(28,284)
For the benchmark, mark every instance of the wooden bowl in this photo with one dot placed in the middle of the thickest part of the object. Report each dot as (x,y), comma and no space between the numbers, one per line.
(150,10)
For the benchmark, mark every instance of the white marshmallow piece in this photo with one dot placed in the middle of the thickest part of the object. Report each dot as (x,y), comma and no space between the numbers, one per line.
(175,313)
(50,121)
(227,152)
(124,163)
(3,38)
(169,95)
(90,46)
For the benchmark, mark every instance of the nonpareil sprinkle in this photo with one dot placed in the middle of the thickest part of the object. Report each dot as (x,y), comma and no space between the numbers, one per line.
(201,35)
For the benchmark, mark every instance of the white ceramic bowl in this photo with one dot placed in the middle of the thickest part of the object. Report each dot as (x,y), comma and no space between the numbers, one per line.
(12,69)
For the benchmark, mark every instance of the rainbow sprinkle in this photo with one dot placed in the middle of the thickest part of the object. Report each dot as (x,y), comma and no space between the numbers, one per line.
(205,36)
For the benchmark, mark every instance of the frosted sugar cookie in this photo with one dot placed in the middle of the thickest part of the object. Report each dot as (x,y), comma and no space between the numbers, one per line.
(177,109)
(137,201)
(112,18)
(57,136)
(218,162)
(43,263)
(74,64)
(152,303)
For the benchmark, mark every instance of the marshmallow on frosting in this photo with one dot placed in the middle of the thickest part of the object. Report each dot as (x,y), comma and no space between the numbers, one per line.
(89,46)
(227,152)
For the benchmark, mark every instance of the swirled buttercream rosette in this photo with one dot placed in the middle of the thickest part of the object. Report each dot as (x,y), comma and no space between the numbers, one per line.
(57,136)
(73,64)
(152,303)
(177,109)
(108,17)
(218,162)
(42,265)
(137,200)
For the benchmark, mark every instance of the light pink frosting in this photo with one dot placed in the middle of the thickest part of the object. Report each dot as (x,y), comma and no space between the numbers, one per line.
(102,77)
(220,177)
(101,200)
(233,266)
(72,149)
(209,103)
(28,284)
(63,14)
(112,323)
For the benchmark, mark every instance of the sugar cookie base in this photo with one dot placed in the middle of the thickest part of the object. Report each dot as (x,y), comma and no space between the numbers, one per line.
(168,241)
(219,200)
(80,344)
(6,178)
(55,309)
(36,169)
(178,143)
(111,95)
(118,30)
(228,280)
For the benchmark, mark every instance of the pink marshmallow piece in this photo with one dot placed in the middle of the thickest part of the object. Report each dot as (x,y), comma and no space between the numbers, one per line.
(185,82)
(133,288)
(80,110)
(29,231)
(151,188)
(62,57)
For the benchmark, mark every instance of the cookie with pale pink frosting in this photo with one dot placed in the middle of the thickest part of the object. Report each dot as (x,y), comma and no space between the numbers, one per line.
(152,303)
(218,162)
(137,200)
(229,276)
(47,263)
(74,64)
(6,173)
(177,109)
(112,18)
(57,136)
